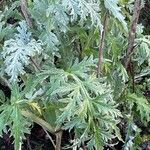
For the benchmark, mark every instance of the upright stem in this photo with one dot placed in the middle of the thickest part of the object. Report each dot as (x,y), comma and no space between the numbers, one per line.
(102,42)
(28,143)
(58,140)
(25,13)
(132,32)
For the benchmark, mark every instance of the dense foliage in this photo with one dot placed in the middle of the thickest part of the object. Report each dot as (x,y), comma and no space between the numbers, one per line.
(73,65)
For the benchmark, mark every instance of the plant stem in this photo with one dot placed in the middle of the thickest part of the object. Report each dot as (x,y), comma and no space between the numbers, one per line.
(25,13)
(132,32)
(58,140)
(37,67)
(1,2)
(50,138)
(39,121)
(84,147)
(4,82)
(28,142)
(102,42)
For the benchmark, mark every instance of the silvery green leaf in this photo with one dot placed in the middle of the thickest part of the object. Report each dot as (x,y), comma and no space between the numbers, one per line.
(112,6)
(18,51)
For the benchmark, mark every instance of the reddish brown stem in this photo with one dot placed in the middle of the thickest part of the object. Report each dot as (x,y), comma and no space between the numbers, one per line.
(28,142)
(58,140)
(84,147)
(132,32)
(25,13)
(101,47)
(37,67)
(1,2)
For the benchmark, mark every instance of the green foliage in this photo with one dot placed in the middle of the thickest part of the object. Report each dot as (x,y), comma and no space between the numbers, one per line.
(112,6)
(18,51)
(3,30)
(11,116)
(142,106)
(87,102)
(132,139)
(143,53)
(51,70)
